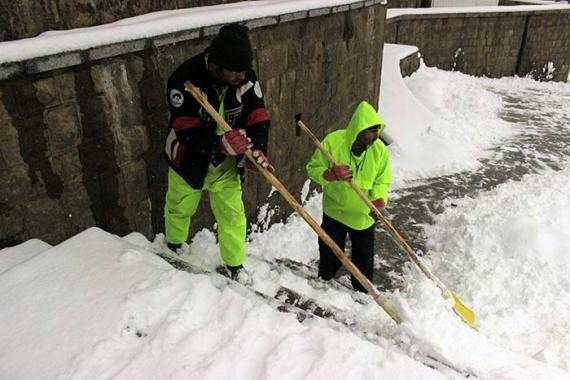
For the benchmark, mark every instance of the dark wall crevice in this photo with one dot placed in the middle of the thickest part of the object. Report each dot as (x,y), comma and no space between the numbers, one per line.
(31,129)
(97,158)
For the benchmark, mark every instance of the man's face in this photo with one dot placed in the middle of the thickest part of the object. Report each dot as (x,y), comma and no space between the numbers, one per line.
(229,77)
(368,136)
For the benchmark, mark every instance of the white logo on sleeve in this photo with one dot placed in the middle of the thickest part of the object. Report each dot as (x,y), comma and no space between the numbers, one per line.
(176,98)
(257,89)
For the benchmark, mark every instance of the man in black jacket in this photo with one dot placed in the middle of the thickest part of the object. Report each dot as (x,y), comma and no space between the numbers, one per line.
(200,155)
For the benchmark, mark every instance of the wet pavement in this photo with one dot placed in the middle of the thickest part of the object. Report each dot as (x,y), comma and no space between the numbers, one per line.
(542,141)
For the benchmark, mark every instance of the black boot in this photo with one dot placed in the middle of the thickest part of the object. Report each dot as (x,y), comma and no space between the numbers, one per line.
(240,274)
(174,247)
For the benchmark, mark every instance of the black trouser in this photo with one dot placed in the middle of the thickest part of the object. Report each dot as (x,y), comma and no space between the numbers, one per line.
(362,250)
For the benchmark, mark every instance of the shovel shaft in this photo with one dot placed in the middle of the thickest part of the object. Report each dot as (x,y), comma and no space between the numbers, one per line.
(388,308)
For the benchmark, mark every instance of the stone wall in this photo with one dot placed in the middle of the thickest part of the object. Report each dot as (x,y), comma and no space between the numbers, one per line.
(410,64)
(28,18)
(81,132)
(491,44)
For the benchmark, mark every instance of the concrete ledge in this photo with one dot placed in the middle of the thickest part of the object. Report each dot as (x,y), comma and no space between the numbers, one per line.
(211,30)
(358,5)
(293,16)
(261,22)
(116,49)
(174,38)
(341,8)
(8,70)
(319,12)
(53,62)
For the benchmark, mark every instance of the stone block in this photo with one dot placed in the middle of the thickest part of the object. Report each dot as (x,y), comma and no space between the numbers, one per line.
(77,212)
(287,87)
(44,218)
(132,143)
(15,188)
(65,84)
(63,129)
(4,115)
(134,181)
(271,88)
(272,62)
(47,92)
(13,230)
(139,215)
(67,165)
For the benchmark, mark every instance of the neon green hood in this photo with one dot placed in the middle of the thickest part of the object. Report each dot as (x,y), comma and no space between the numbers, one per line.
(364,117)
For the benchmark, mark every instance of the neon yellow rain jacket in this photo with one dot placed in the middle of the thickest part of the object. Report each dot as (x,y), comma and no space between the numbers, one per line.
(371,170)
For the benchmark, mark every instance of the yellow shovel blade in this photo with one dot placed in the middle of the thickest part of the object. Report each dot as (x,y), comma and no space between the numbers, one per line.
(464,312)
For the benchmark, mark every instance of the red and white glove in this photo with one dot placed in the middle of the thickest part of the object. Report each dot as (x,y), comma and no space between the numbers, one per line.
(261,158)
(380,204)
(338,173)
(235,142)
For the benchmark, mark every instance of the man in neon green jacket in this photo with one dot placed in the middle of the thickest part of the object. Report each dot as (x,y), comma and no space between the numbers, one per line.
(364,158)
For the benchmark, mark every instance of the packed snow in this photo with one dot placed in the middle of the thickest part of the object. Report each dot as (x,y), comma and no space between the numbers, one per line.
(103,306)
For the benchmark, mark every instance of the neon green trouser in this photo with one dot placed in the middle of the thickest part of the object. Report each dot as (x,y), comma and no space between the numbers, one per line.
(224,185)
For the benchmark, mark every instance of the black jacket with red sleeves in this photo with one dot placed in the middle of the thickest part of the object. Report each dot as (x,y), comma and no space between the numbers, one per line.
(192,143)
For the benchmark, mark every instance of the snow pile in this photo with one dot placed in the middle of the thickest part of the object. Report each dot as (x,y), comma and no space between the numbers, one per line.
(97,306)
(509,252)
(441,122)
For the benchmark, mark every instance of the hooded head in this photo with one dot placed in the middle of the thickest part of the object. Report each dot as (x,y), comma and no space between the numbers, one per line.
(231,48)
(364,127)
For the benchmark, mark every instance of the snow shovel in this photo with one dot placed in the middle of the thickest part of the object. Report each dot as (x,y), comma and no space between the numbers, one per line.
(460,309)
(384,304)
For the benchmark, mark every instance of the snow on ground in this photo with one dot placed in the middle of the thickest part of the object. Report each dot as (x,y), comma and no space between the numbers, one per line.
(99,306)
(509,252)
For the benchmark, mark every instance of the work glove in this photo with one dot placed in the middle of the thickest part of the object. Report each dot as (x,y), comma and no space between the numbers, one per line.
(261,159)
(379,203)
(235,142)
(338,173)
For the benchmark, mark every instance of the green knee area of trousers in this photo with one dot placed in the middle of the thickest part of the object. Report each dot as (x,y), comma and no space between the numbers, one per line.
(224,187)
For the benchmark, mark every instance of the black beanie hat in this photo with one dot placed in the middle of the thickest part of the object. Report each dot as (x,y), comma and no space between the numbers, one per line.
(231,48)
